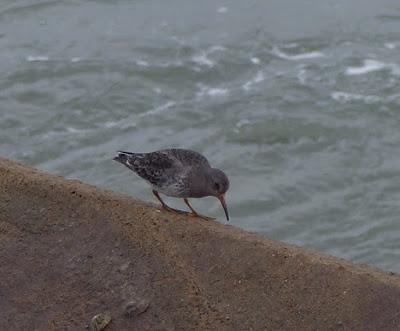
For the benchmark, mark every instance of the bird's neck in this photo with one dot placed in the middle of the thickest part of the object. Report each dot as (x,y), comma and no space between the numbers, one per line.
(199,184)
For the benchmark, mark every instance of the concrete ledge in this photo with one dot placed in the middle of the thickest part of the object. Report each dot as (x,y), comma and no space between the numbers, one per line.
(69,251)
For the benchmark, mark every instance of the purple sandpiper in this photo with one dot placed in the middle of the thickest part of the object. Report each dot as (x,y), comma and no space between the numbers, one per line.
(179,173)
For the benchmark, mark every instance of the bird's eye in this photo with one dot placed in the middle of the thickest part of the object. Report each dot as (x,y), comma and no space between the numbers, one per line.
(216,187)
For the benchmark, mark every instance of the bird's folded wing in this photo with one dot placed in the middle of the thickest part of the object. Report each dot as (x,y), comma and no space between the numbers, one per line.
(153,167)
(187,157)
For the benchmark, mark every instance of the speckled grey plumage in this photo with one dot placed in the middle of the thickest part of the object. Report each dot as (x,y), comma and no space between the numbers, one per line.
(173,172)
(179,173)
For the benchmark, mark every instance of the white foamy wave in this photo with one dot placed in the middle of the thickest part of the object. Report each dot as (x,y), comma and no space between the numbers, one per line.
(174,64)
(75,59)
(73,130)
(37,58)
(242,122)
(202,59)
(255,60)
(110,124)
(211,92)
(344,97)
(122,124)
(296,57)
(259,77)
(390,45)
(368,66)
(142,63)
(65,131)
(215,48)
(217,92)
(159,109)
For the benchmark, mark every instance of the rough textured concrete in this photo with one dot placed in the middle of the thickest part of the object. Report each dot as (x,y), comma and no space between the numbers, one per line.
(69,251)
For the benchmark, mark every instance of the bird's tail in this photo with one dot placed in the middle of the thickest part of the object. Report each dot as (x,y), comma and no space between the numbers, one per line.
(122,157)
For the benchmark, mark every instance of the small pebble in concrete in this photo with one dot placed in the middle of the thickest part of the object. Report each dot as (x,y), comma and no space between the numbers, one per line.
(136,307)
(100,321)
(124,267)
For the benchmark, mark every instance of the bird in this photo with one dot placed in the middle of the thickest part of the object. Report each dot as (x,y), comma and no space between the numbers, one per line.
(179,173)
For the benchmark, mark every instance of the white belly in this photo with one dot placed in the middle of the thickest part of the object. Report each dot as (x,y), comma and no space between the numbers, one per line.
(172,190)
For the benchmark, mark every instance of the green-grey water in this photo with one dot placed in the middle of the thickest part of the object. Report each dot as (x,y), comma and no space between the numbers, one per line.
(298,101)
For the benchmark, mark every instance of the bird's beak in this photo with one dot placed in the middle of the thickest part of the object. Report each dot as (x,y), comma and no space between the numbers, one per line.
(222,199)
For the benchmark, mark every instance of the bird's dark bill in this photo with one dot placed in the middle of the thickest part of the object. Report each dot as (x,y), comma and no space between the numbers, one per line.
(222,199)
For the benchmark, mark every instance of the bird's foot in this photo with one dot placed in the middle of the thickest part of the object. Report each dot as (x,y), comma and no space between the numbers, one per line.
(207,218)
(182,212)
(173,210)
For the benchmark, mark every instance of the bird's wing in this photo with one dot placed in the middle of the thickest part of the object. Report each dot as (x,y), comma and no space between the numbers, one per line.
(161,167)
(187,157)
(152,167)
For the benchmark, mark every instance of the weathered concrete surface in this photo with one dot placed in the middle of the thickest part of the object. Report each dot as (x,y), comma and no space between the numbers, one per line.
(69,251)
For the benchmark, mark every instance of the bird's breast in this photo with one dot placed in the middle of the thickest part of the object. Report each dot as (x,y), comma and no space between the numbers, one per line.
(174,189)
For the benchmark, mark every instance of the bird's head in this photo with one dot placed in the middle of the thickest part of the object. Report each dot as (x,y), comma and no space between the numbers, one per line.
(218,185)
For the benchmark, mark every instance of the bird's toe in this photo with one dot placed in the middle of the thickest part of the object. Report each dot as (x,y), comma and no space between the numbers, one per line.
(173,210)
(207,218)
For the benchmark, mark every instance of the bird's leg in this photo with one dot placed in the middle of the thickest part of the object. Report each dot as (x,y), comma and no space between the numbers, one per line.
(194,213)
(165,206)
(190,207)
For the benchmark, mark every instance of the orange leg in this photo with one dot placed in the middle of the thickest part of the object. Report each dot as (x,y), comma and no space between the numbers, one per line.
(165,206)
(194,213)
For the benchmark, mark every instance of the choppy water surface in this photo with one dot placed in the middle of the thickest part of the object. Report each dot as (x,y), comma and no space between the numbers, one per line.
(298,101)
